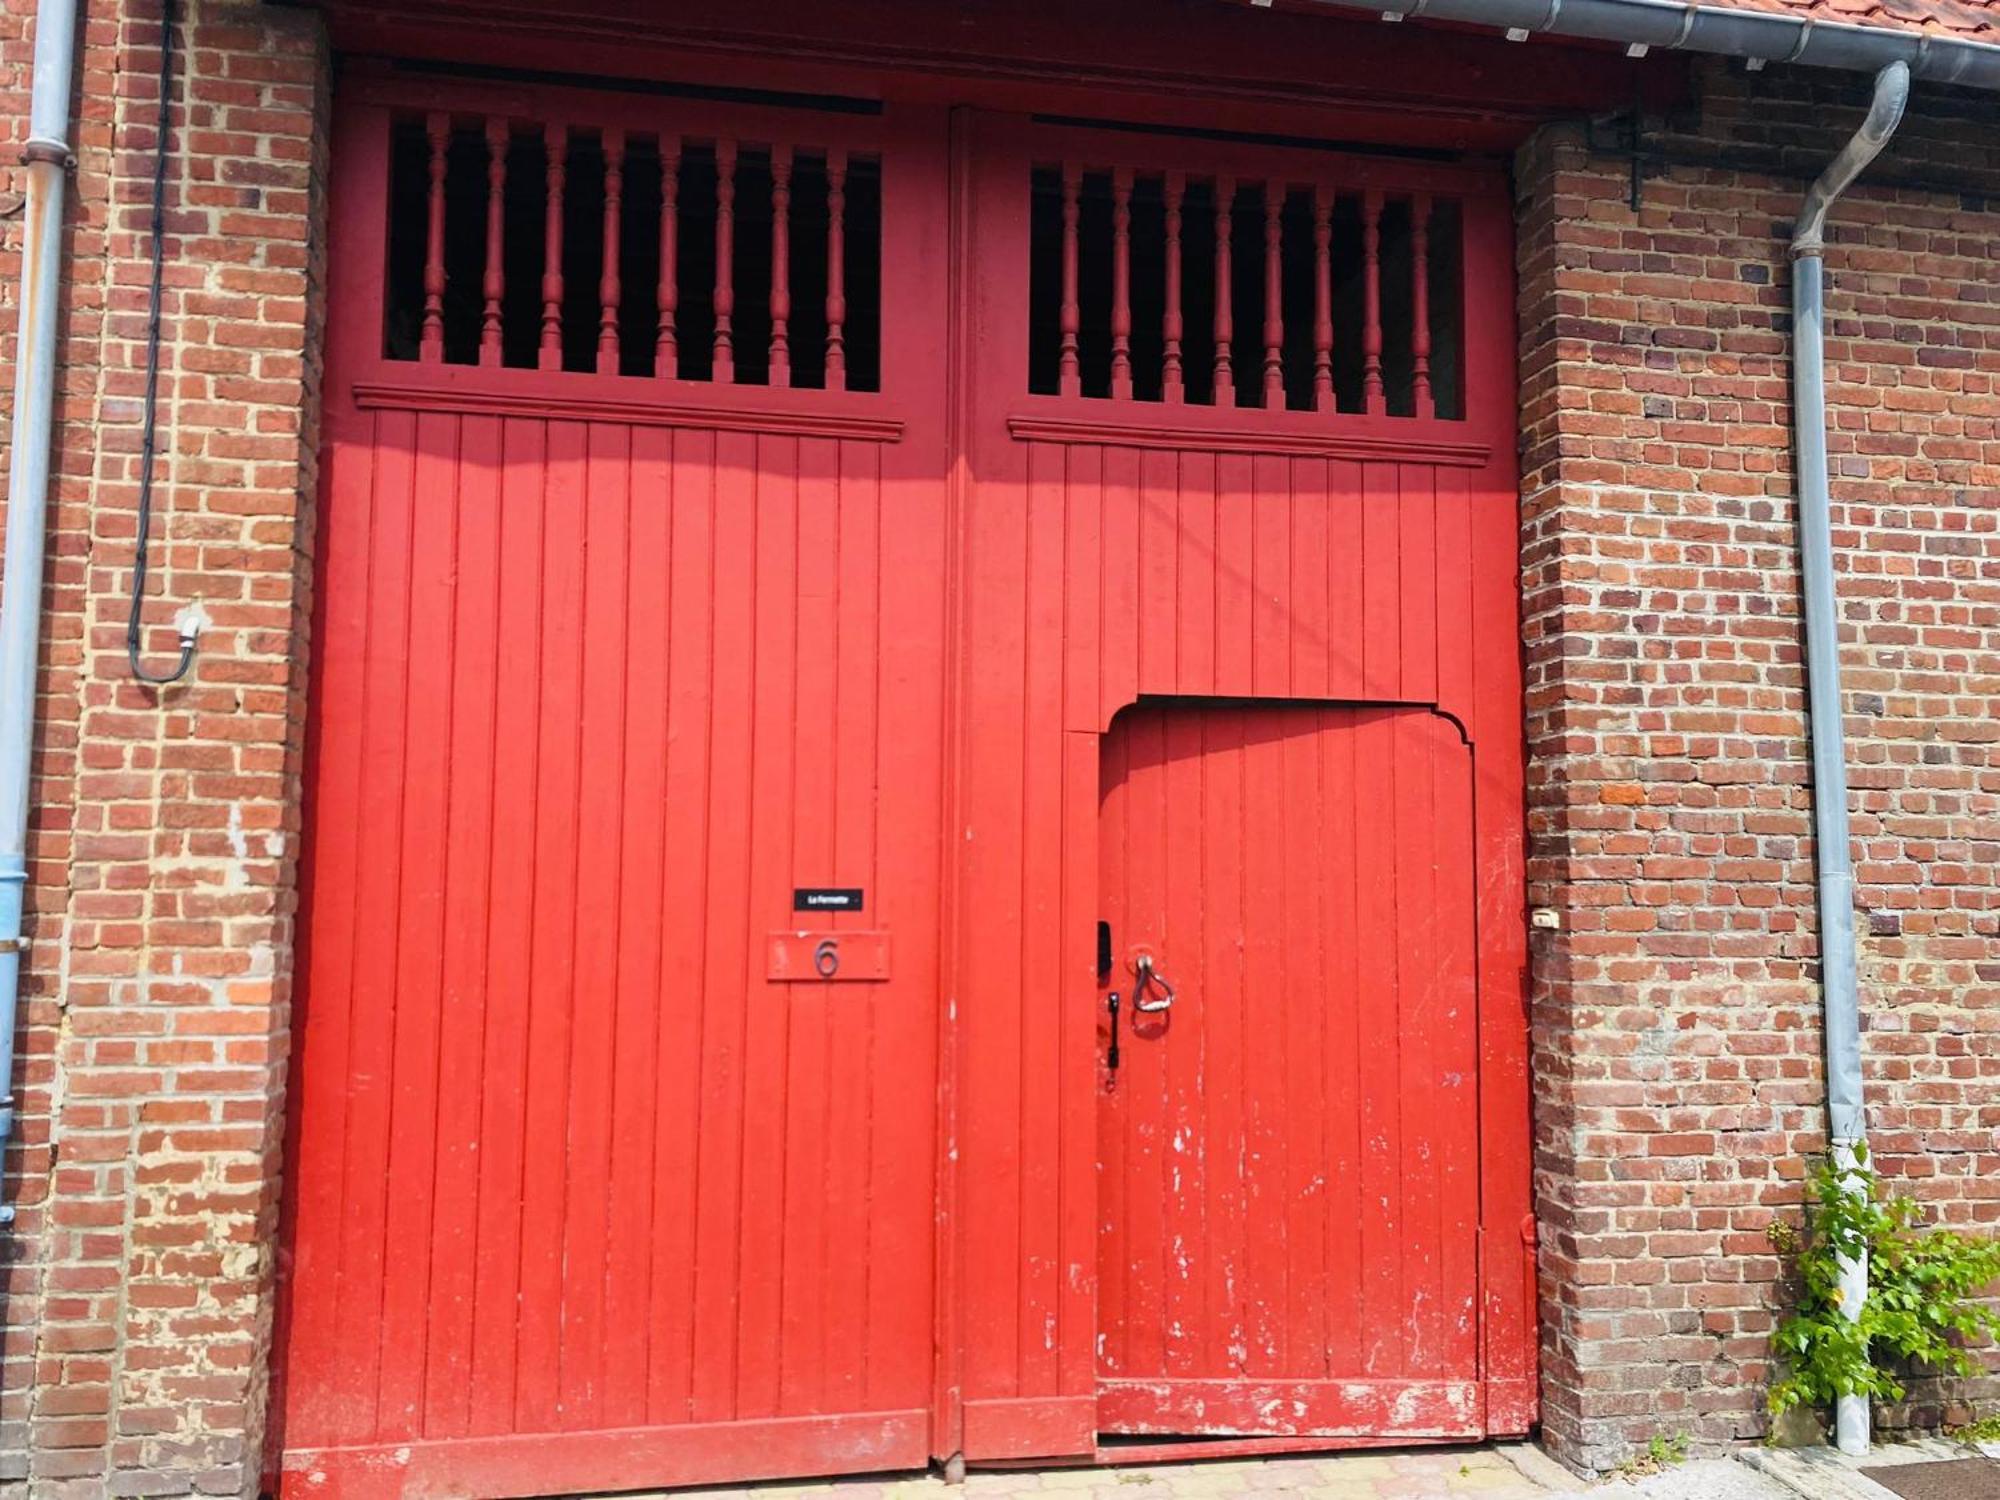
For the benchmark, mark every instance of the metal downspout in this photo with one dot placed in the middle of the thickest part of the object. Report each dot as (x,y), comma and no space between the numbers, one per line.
(47,155)
(1835,857)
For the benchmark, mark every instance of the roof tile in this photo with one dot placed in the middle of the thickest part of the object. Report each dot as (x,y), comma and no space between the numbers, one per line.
(1974,20)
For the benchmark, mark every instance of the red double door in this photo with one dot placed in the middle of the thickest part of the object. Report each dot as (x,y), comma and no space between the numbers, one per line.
(777,682)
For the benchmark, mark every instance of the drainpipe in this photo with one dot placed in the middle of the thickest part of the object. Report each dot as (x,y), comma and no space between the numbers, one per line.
(1838,979)
(48,158)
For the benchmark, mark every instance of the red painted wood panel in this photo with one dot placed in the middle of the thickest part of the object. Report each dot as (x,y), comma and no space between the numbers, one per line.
(594,695)
(1230,1129)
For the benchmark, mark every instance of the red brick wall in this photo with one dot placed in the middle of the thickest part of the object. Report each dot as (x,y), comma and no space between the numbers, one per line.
(138,1296)
(1677,1044)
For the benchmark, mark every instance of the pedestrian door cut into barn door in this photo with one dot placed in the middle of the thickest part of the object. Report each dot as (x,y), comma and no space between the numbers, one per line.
(1288,1129)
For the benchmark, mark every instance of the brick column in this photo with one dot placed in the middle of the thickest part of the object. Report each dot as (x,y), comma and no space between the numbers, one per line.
(161,993)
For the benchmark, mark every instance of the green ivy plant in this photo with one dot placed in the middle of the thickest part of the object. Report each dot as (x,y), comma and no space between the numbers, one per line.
(1923,1289)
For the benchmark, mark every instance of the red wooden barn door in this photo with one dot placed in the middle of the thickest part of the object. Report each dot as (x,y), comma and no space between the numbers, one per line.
(1241,449)
(1289,1197)
(632,627)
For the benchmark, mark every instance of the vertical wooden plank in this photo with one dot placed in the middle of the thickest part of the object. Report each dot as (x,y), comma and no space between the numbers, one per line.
(1350,1018)
(610,287)
(1195,592)
(723,370)
(1298,1085)
(1271,575)
(1419,1307)
(1454,1059)
(553,993)
(1235,573)
(816,1009)
(1455,622)
(1083,599)
(766,1045)
(601,826)
(1224,1066)
(732,791)
(493,286)
(1148,1152)
(642,1006)
(430,342)
(1158,565)
(1380,975)
(1417,581)
(1043,943)
(1381,583)
(690,1049)
(464,973)
(1311,649)
(555,142)
(1266,1007)
(369,1064)
(1346,563)
(1121,489)
(1078,1323)
(781,265)
(511,975)
(1114,1247)
(1185,1312)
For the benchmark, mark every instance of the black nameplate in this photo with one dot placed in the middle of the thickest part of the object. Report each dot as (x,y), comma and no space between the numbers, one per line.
(826,898)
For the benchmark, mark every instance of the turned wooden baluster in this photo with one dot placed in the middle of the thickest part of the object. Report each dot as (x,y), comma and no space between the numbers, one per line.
(1171,387)
(1274,296)
(1121,284)
(609,288)
(1323,398)
(430,346)
(494,286)
(781,265)
(666,349)
(1070,367)
(549,355)
(836,269)
(725,257)
(1420,300)
(1225,327)
(1371,304)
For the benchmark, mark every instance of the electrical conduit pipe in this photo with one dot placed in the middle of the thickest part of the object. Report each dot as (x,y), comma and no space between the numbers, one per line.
(48,156)
(1839,984)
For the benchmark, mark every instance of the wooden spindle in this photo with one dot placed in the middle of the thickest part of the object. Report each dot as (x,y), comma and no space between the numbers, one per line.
(666,348)
(781,265)
(550,355)
(725,258)
(430,346)
(836,269)
(1371,303)
(1323,398)
(1274,296)
(494,286)
(1070,367)
(1171,387)
(609,289)
(1121,284)
(1225,326)
(1420,305)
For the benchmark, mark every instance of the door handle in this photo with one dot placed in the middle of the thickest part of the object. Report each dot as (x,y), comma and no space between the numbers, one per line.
(1150,978)
(1111,1057)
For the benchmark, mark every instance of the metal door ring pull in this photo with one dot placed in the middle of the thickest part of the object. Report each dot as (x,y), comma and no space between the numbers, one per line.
(826,959)
(1150,979)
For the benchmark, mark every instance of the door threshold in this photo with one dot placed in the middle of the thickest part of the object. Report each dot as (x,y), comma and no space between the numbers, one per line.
(1115,1451)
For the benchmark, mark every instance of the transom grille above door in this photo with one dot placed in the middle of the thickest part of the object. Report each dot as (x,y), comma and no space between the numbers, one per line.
(592,247)
(1285,292)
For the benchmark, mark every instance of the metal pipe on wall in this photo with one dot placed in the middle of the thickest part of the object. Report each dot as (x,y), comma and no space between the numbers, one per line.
(47,155)
(1839,981)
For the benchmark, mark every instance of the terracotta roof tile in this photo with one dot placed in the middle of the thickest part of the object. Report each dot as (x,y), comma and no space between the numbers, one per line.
(1974,20)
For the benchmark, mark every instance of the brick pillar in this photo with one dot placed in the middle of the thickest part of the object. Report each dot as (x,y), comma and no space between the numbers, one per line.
(161,993)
